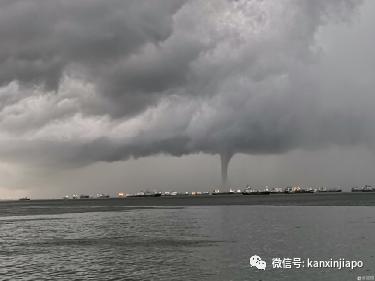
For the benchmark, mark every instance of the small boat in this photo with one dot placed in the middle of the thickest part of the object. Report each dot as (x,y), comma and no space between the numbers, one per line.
(24,199)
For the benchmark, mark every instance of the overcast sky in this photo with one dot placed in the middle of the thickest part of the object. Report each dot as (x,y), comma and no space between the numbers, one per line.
(108,96)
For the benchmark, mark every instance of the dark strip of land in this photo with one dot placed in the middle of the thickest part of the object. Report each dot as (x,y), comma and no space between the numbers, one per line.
(57,206)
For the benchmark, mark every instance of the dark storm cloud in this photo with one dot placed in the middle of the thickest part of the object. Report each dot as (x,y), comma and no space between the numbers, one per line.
(39,39)
(86,81)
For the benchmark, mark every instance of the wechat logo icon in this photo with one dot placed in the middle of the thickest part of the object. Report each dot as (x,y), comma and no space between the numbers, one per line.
(256,261)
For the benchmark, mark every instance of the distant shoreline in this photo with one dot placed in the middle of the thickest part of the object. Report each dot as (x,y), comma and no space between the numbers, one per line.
(61,206)
(303,199)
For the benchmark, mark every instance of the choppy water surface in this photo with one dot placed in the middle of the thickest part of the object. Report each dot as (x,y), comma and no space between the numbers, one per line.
(184,243)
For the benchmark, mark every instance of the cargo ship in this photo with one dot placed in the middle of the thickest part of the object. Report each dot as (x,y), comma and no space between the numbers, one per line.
(323,189)
(366,188)
(251,191)
(218,192)
(145,194)
(297,189)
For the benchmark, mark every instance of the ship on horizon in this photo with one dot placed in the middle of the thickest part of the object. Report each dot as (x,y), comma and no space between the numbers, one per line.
(145,194)
(230,192)
(366,188)
(253,191)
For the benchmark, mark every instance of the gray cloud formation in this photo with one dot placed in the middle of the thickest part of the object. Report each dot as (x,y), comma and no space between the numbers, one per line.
(40,39)
(86,81)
